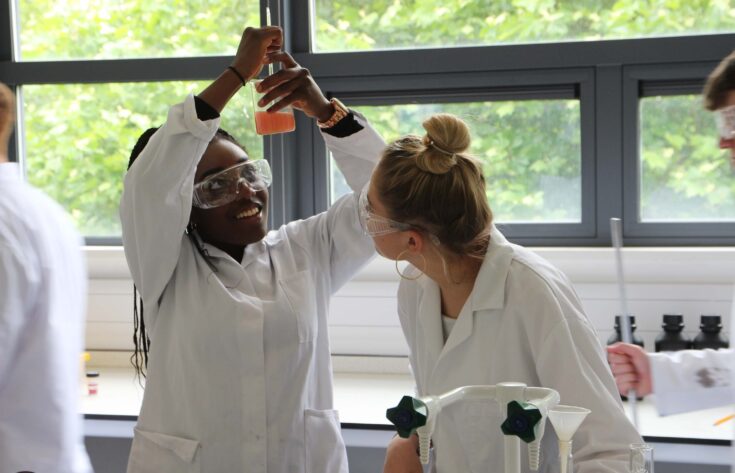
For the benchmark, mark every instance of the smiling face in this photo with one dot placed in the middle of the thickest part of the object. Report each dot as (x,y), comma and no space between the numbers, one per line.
(240,222)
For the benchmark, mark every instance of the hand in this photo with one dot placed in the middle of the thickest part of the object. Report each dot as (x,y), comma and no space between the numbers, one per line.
(294,86)
(7,117)
(401,456)
(631,368)
(255,44)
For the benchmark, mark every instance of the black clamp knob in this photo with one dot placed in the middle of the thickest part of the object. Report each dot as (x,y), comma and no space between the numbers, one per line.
(408,415)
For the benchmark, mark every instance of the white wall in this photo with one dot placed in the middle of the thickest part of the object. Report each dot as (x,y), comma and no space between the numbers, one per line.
(691,281)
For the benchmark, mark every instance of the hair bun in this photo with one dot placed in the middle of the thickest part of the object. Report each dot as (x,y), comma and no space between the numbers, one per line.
(446,136)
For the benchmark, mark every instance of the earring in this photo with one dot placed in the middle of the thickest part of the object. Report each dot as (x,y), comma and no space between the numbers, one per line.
(401,274)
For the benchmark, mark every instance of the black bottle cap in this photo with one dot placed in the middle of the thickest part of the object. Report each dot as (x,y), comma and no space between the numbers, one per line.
(631,318)
(710,323)
(711,320)
(673,319)
(92,374)
(673,322)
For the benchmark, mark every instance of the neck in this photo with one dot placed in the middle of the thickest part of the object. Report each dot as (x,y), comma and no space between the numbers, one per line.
(235,251)
(455,276)
(4,158)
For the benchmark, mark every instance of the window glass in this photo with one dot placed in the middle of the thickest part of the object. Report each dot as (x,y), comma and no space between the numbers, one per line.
(684,176)
(346,25)
(530,152)
(110,29)
(79,138)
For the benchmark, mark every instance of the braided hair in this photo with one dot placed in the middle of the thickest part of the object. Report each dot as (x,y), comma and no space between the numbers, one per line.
(141,340)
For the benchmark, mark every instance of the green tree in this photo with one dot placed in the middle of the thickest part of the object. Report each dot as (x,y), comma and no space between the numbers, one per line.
(78,137)
(684,175)
(530,151)
(343,25)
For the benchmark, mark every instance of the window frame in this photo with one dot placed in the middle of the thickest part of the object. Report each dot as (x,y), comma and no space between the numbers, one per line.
(607,77)
(648,81)
(476,87)
(606,152)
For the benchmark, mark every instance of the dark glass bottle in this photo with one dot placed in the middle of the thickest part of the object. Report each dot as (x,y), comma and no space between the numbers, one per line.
(709,335)
(618,337)
(672,338)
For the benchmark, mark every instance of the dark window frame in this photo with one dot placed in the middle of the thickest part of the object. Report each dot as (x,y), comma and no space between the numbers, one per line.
(608,77)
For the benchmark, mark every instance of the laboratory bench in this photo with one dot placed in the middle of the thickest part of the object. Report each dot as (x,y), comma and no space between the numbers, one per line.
(362,398)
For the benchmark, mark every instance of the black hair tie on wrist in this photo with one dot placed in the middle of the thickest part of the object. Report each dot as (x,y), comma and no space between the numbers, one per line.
(234,71)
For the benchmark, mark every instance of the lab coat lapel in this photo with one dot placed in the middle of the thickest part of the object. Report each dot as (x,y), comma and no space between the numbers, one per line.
(430,336)
(462,330)
(230,272)
(488,292)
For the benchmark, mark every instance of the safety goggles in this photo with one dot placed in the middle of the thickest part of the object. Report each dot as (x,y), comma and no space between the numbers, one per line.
(726,122)
(222,188)
(375,225)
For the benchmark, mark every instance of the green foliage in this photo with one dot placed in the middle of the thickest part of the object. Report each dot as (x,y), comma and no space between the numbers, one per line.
(684,174)
(78,137)
(530,151)
(345,25)
(109,29)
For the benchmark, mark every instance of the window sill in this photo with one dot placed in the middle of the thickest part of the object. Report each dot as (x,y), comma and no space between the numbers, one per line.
(588,265)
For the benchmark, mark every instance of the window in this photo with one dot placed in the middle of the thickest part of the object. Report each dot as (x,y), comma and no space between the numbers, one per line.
(78,139)
(581,111)
(677,183)
(532,176)
(113,29)
(684,176)
(344,25)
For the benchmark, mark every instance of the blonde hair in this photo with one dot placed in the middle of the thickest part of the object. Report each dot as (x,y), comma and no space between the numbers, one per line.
(432,182)
(720,82)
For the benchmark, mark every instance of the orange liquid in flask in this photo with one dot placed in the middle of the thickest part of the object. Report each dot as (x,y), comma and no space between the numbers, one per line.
(270,123)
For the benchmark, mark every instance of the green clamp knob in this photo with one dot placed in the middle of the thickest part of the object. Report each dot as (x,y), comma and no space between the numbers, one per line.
(408,415)
(522,418)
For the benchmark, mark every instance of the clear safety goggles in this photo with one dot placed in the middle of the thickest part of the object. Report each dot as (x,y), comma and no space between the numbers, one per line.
(375,225)
(222,188)
(726,122)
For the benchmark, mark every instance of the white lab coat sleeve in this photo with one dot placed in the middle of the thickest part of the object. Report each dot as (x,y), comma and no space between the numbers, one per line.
(691,379)
(18,281)
(572,361)
(356,155)
(336,237)
(157,197)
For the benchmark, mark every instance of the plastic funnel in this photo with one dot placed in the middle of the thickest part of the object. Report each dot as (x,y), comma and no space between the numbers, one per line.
(566,420)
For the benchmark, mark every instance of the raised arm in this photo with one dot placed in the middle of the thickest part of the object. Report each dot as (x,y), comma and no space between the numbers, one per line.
(158,189)
(334,239)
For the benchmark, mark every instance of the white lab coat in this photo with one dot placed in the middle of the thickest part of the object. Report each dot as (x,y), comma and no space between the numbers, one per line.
(43,297)
(689,380)
(522,322)
(239,376)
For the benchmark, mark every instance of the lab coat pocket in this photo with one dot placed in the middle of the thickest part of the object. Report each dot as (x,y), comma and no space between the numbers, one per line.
(300,291)
(153,452)
(325,448)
